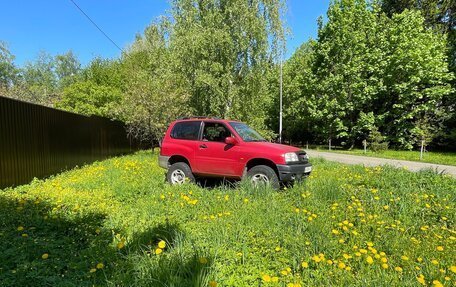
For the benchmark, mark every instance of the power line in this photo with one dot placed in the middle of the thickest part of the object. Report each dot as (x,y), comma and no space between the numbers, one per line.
(95,24)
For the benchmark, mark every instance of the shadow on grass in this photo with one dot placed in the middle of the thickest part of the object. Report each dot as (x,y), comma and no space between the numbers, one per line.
(215,182)
(44,246)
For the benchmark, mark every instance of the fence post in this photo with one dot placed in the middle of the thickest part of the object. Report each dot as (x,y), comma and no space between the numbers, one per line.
(365,146)
(329,143)
(307,144)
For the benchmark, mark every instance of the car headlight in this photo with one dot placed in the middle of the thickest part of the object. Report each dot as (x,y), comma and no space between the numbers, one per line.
(291,157)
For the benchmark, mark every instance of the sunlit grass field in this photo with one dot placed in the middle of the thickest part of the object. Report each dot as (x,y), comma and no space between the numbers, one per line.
(447,158)
(117,223)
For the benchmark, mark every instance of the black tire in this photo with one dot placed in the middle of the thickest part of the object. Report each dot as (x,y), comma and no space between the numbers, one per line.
(179,173)
(261,172)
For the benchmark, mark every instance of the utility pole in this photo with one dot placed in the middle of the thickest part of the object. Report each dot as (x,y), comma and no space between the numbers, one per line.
(280,113)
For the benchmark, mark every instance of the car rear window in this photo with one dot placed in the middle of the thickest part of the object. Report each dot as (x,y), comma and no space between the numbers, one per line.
(186,130)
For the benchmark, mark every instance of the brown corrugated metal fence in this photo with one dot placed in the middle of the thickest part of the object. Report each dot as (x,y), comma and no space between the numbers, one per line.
(37,141)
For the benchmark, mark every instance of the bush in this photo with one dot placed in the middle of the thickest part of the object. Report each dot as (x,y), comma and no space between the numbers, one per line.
(376,141)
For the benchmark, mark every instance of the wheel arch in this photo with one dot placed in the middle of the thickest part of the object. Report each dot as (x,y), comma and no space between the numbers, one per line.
(178,158)
(262,161)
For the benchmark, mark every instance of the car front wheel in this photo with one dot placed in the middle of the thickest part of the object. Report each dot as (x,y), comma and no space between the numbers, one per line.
(263,175)
(179,173)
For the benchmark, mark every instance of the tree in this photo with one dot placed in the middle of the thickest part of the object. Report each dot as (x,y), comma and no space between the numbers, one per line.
(347,65)
(8,71)
(96,90)
(40,80)
(67,69)
(154,92)
(416,77)
(88,98)
(224,49)
(299,110)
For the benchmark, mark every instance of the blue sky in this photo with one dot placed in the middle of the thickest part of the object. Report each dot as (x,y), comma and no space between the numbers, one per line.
(56,26)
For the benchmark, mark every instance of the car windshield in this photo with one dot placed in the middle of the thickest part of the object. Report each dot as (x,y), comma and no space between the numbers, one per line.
(247,133)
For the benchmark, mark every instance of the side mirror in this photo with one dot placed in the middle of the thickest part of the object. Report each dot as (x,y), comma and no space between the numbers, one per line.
(230,141)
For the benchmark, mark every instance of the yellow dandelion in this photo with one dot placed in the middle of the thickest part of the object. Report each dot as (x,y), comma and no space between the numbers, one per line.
(45,256)
(274,279)
(120,245)
(369,259)
(341,265)
(93,270)
(212,284)
(398,269)
(421,279)
(278,248)
(20,228)
(439,248)
(162,244)
(203,260)
(266,278)
(100,265)
(453,269)
(385,266)
(405,258)
(437,283)
(158,251)
(435,262)
(305,265)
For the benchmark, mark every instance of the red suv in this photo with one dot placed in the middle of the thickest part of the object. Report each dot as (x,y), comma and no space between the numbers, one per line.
(211,147)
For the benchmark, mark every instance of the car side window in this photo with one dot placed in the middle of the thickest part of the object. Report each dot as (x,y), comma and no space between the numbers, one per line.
(186,130)
(215,132)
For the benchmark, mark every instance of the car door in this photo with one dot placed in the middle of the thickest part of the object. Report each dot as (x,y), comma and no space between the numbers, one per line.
(214,156)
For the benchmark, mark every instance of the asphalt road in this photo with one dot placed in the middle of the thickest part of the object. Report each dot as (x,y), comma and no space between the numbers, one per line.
(374,161)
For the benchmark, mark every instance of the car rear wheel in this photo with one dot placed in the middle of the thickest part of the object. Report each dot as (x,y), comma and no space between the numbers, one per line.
(179,173)
(263,175)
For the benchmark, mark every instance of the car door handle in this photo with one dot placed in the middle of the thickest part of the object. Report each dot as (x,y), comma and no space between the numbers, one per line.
(203,146)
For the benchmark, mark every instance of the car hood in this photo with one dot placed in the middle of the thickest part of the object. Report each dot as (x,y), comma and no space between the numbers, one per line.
(273,147)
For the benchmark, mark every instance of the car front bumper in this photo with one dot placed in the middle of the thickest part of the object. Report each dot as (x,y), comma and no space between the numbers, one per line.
(163,161)
(293,171)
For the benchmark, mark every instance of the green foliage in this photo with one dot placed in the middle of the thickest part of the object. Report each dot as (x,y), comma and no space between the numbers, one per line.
(154,94)
(8,71)
(369,71)
(67,69)
(88,98)
(376,141)
(40,80)
(224,50)
(117,211)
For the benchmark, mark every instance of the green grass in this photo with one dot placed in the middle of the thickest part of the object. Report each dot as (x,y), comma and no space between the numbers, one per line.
(114,214)
(448,158)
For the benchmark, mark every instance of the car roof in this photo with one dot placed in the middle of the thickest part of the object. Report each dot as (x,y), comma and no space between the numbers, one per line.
(187,119)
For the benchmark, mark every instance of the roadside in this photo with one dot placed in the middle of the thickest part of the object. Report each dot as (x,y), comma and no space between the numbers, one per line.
(446,158)
(374,161)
